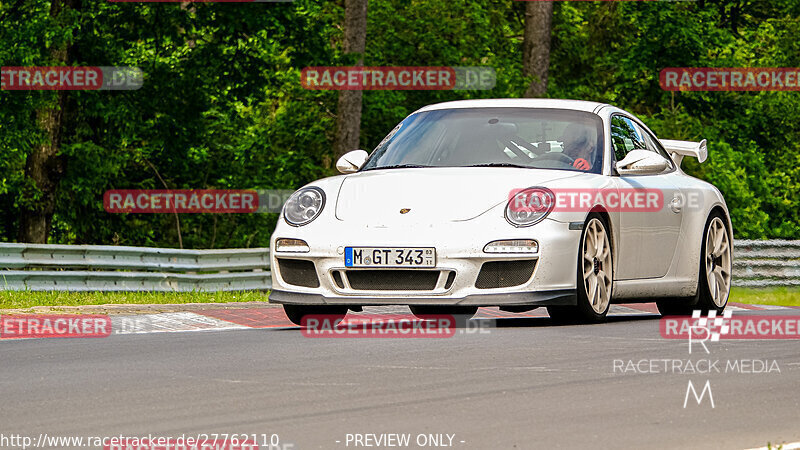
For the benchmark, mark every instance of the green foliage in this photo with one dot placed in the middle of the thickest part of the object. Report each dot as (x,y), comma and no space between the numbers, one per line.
(222,105)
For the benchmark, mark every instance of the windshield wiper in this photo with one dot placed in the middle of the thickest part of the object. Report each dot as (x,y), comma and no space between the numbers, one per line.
(397,166)
(520,166)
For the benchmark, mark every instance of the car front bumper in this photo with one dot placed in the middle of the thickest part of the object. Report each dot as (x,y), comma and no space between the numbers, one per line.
(543,298)
(460,260)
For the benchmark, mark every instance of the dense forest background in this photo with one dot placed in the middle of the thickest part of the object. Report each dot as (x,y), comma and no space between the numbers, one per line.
(222,105)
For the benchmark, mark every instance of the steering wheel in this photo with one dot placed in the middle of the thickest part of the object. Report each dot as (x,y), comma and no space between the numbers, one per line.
(557,156)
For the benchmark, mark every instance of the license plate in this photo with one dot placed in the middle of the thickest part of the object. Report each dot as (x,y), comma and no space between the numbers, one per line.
(389,257)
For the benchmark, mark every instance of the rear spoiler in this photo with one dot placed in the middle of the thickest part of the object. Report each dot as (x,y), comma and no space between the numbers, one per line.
(679,149)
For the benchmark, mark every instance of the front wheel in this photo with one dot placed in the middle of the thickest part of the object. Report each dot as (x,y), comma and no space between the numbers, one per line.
(594,276)
(296,313)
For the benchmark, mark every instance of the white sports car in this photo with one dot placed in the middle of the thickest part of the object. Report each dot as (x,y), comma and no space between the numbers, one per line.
(516,203)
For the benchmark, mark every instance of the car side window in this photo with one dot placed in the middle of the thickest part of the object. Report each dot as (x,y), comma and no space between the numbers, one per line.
(625,137)
(653,145)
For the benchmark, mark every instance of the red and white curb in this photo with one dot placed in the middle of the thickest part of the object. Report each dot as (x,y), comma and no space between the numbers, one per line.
(273,317)
(174,322)
(260,317)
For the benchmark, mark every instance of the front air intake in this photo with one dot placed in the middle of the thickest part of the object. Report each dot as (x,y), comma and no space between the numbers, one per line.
(503,274)
(298,272)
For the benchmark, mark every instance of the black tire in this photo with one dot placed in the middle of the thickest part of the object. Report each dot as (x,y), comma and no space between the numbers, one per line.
(563,314)
(677,306)
(703,299)
(296,313)
(583,311)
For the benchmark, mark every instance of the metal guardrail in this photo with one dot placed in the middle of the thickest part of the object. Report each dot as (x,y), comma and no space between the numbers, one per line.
(39,267)
(766,263)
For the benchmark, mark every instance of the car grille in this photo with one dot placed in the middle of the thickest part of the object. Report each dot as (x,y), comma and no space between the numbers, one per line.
(393,280)
(503,274)
(298,272)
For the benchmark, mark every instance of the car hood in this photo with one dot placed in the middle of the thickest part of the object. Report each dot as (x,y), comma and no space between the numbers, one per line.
(433,194)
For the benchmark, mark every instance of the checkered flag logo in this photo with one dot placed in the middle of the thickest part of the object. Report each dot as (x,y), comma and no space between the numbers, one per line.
(716,326)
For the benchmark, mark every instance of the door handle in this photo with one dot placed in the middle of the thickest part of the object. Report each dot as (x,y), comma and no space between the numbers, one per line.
(676,205)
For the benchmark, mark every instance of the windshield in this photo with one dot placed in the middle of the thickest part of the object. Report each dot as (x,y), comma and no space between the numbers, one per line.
(503,137)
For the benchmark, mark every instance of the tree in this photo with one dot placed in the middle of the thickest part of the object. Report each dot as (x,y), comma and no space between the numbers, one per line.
(536,46)
(44,165)
(348,113)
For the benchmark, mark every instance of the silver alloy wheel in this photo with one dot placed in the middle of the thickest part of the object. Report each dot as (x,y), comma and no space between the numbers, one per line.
(597,268)
(718,262)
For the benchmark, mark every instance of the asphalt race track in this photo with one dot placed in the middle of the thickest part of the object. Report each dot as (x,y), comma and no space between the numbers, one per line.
(526,383)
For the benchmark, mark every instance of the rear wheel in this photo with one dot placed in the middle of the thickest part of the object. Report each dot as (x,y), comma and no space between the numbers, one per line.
(296,313)
(594,276)
(714,283)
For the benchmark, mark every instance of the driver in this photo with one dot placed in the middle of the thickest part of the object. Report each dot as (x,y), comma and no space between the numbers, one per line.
(578,145)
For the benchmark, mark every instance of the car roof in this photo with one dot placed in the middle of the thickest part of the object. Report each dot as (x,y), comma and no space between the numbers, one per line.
(549,103)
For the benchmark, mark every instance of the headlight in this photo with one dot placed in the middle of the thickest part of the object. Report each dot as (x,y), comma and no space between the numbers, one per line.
(529,206)
(304,206)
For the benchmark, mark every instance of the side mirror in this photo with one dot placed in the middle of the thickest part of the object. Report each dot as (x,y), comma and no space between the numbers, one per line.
(352,161)
(642,162)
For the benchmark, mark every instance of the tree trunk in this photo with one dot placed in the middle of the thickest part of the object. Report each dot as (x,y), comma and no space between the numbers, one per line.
(536,45)
(44,165)
(348,113)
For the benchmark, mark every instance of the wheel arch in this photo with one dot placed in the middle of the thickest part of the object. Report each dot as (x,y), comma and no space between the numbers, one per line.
(718,208)
(603,212)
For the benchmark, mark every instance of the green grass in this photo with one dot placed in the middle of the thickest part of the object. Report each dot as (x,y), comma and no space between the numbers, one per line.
(23,299)
(766,296)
